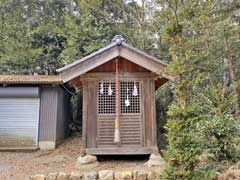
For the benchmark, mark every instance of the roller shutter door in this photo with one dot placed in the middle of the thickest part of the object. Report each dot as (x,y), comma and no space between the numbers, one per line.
(19,119)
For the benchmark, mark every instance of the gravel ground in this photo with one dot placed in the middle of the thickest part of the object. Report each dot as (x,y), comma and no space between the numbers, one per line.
(20,165)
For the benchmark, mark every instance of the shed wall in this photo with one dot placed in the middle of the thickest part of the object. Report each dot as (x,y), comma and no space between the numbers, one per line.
(63,114)
(54,115)
(48,117)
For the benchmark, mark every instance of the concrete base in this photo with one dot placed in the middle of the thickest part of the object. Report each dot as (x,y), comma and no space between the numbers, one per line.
(47,145)
(23,149)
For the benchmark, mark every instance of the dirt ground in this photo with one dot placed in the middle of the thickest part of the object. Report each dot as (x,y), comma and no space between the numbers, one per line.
(21,165)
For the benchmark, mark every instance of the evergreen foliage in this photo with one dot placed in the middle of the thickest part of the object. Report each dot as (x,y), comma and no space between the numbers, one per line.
(203,119)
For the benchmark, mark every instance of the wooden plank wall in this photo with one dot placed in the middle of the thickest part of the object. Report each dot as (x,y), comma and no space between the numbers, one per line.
(149,112)
(91,128)
(131,130)
(124,66)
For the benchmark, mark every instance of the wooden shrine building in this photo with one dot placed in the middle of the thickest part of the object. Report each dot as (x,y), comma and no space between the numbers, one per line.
(118,84)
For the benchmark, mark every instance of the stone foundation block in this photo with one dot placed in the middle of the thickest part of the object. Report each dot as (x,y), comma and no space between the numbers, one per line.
(123,175)
(106,175)
(39,177)
(87,159)
(152,175)
(52,176)
(155,160)
(91,176)
(140,175)
(86,162)
(76,176)
(62,176)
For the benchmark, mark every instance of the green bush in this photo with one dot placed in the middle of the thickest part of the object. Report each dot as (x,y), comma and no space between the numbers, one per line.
(221,134)
(184,144)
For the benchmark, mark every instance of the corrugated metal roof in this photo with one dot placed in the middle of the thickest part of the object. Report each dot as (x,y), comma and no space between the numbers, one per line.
(30,79)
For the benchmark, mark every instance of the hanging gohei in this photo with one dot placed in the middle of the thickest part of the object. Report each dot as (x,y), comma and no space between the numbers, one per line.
(127,102)
(101,88)
(135,90)
(110,91)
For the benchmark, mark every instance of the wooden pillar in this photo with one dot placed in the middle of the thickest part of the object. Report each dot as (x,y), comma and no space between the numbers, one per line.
(84,115)
(117,123)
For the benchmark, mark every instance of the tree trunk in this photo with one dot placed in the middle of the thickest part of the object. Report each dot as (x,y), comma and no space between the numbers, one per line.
(232,73)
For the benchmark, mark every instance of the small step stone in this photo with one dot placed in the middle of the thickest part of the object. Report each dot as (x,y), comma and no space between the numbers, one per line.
(106,175)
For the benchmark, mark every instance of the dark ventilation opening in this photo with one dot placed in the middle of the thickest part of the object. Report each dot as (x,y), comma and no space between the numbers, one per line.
(164,97)
(76,104)
(132,158)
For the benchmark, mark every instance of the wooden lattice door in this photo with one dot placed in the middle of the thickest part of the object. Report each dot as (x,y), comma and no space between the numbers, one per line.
(130,114)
